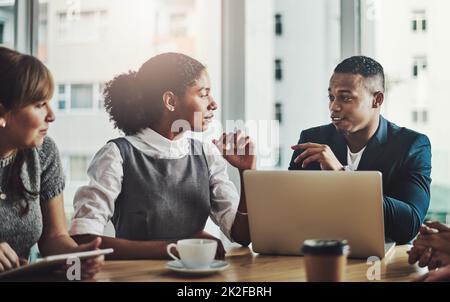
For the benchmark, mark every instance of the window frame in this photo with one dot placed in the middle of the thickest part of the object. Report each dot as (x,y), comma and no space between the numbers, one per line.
(2,28)
(26,26)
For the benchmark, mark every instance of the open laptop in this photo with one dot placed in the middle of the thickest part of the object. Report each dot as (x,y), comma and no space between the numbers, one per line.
(288,207)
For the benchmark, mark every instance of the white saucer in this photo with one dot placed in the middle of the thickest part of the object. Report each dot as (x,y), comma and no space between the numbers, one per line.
(216,266)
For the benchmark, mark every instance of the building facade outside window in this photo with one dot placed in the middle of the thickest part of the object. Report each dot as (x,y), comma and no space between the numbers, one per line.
(81,96)
(78,167)
(419,21)
(420,116)
(86,43)
(418,95)
(278,24)
(2,32)
(419,65)
(7,20)
(278,70)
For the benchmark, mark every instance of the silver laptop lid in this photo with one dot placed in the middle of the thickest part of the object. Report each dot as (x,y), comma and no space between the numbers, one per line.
(288,207)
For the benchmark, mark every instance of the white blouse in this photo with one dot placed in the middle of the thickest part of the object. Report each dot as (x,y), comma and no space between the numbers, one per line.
(94,203)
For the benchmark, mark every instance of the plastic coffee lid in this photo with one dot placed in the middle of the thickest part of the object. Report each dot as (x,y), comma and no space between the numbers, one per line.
(325,247)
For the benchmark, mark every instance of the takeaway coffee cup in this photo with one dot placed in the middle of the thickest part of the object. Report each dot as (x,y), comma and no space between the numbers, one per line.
(325,260)
(194,253)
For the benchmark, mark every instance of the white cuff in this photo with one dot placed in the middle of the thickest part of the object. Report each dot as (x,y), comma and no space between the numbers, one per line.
(86,226)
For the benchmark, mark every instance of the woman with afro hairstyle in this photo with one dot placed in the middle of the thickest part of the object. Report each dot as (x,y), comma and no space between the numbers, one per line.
(156,184)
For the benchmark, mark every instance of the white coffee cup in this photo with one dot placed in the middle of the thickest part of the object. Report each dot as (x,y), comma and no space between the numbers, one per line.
(194,253)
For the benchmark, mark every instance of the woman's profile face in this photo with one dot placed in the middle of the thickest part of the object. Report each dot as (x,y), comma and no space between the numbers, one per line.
(198,106)
(27,126)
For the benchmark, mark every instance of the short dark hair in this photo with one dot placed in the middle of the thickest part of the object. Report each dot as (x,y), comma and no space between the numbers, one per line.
(364,66)
(134,99)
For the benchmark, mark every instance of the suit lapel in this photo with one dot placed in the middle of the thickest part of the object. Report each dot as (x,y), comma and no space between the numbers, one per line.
(374,148)
(339,147)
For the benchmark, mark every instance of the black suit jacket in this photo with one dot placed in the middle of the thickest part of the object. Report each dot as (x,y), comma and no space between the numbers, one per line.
(402,156)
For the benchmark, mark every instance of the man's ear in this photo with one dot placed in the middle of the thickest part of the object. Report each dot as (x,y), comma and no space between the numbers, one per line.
(170,101)
(378,99)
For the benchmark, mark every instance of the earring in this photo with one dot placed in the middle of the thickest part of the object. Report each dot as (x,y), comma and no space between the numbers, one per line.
(3,124)
(172,109)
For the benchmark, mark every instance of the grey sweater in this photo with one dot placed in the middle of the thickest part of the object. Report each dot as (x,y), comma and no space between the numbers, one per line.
(41,173)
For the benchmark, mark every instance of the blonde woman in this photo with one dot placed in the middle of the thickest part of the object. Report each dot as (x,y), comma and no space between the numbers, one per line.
(31,179)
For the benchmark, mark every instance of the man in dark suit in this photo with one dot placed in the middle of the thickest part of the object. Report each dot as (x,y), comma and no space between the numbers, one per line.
(359,138)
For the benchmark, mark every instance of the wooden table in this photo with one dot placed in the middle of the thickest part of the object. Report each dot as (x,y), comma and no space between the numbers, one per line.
(250,267)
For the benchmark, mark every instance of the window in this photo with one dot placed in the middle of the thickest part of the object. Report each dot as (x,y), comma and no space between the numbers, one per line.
(420,117)
(100,97)
(415,116)
(81,96)
(86,43)
(2,29)
(278,70)
(425,116)
(7,20)
(82,26)
(78,167)
(419,65)
(62,104)
(278,25)
(417,90)
(279,112)
(419,21)
(178,25)
(42,51)
(75,97)
(61,89)
(62,97)
(294,53)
